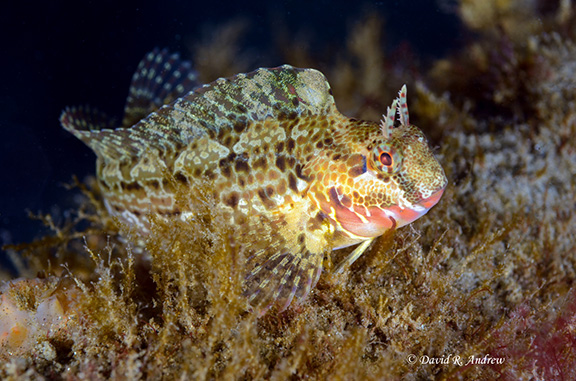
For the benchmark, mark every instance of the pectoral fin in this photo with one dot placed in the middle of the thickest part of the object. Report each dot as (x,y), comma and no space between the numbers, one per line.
(289,267)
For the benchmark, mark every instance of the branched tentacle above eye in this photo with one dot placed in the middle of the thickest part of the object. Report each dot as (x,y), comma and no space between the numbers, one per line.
(387,122)
(403,110)
(400,106)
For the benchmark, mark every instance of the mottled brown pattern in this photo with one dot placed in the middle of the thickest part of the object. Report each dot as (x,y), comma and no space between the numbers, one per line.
(282,163)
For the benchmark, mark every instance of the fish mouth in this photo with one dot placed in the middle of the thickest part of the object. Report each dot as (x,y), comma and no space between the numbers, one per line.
(432,200)
(369,222)
(406,215)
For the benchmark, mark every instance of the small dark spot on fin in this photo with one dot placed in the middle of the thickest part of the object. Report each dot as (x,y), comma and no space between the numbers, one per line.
(281,163)
(232,200)
(133,186)
(181,178)
(292,182)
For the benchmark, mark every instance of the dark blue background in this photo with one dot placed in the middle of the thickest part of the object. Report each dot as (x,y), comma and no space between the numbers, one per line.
(55,54)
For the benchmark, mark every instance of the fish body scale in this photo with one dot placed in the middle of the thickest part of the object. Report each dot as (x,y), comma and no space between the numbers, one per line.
(272,145)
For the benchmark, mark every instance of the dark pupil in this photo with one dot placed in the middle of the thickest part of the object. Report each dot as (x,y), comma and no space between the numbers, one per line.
(386,159)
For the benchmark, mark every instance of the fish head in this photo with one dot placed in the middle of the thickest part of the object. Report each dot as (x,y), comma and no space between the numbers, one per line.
(391,178)
(403,176)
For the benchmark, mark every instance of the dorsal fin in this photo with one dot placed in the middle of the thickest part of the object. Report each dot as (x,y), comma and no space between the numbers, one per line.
(159,79)
(86,118)
(226,103)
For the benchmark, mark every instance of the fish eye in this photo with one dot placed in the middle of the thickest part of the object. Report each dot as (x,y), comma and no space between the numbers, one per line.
(386,159)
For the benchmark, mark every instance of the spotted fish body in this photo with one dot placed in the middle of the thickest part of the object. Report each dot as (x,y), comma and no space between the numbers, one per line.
(280,160)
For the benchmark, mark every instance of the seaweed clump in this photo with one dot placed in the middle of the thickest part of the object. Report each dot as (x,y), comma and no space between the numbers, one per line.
(488,274)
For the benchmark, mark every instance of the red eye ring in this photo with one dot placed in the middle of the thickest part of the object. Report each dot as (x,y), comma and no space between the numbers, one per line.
(386,159)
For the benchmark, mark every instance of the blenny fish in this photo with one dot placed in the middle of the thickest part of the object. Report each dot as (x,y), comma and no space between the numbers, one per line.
(272,145)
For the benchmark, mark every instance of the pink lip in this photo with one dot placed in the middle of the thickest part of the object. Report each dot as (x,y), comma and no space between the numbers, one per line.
(379,220)
(404,216)
(432,200)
